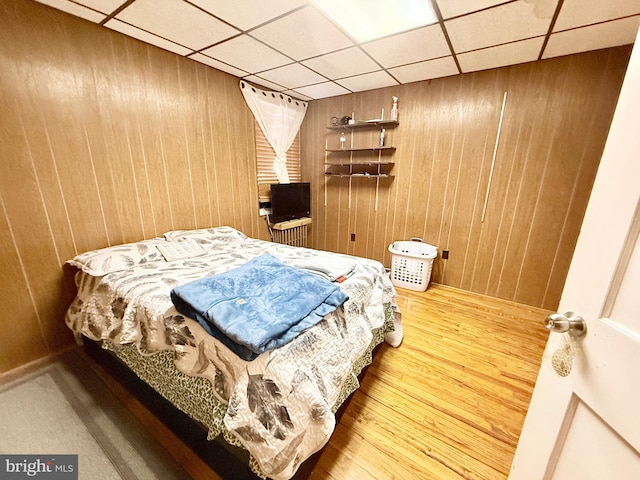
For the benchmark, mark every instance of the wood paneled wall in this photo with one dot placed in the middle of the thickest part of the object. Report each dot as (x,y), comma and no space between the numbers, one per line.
(103,140)
(106,140)
(555,125)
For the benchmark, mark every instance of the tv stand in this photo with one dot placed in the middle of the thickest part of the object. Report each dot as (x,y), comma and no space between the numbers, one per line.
(292,232)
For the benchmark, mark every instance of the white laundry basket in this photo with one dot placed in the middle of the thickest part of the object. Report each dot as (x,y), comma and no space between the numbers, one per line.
(411,263)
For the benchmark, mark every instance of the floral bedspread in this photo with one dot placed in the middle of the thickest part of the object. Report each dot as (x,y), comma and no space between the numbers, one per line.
(279,406)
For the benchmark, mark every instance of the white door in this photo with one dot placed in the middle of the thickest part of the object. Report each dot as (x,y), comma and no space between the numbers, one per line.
(586,425)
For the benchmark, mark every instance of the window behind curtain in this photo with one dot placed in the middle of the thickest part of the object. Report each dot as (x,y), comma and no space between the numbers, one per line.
(265,156)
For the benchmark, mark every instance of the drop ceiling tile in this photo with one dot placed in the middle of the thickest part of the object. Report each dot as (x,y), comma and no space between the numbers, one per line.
(440,67)
(292,76)
(344,63)
(368,81)
(453,8)
(104,6)
(264,83)
(303,34)
(503,24)
(146,37)
(594,37)
(247,54)
(246,14)
(299,96)
(177,21)
(410,47)
(578,13)
(502,55)
(198,57)
(75,9)
(322,90)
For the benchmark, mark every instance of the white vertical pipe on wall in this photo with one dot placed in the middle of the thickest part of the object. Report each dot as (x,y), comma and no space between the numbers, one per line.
(493,160)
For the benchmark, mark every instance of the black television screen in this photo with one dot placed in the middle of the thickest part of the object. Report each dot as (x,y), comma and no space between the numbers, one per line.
(289,201)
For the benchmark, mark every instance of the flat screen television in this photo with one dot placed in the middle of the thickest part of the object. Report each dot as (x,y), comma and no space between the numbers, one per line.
(289,201)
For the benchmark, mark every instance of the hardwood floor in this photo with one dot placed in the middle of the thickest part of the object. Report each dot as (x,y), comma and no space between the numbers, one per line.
(449,403)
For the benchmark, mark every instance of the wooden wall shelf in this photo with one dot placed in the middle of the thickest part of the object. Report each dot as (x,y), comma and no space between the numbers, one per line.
(354,163)
(365,124)
(355,150)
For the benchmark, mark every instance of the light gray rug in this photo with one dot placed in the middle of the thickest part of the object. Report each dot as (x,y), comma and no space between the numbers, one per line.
(65,408)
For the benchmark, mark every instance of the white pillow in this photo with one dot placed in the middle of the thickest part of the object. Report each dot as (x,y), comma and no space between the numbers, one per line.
(207,237)
(119,257)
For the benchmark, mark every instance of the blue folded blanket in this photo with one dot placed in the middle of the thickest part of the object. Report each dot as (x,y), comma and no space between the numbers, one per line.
(258,306)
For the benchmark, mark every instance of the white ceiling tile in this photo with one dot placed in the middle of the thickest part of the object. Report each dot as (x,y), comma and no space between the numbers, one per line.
(602,35)
(218,65)
(502,55)
(75,9)
(303,34)
(263,83)
(344,63)
(177,21)
(415,46)
(440,67)
(453,8)
(104,6)
(577,13)
(247,54)
(299,96)
(146,37)
(246,14)
(322,90)
(368,81)
(292,76)
(507,23)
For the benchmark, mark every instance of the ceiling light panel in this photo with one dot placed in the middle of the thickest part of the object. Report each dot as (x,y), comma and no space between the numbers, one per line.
(368,20)
(177,21)
(246,14)
(303,34)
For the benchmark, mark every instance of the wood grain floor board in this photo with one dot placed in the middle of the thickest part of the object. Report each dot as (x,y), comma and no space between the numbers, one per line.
(449,403)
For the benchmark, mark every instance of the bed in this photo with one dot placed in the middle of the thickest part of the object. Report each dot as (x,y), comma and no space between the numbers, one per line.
(278,402)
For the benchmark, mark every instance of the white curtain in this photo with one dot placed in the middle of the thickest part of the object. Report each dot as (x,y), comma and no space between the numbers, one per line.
(279,117)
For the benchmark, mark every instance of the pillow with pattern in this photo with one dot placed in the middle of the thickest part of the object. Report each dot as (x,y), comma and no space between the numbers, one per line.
(119,257)
(208,238)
